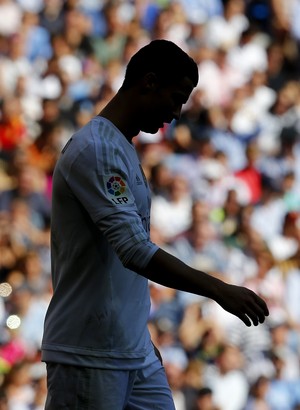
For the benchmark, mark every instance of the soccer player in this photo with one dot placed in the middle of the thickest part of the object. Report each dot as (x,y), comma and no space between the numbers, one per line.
(96,341)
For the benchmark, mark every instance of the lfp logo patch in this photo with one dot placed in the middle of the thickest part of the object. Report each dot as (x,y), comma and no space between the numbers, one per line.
(116,186)
(117,190)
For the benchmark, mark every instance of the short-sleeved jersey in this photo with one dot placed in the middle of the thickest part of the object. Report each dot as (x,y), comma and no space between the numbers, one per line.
(100,224)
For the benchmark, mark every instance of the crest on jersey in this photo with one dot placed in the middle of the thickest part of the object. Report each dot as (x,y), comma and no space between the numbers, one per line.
(116,186)
(117,190)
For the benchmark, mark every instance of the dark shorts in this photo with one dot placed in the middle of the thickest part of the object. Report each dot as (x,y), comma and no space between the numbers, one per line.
(80,388)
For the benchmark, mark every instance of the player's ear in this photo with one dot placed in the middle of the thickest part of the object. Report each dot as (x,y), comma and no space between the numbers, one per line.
(149,82)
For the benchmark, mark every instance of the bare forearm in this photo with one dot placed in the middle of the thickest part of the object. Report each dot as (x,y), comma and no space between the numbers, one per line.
(169,271)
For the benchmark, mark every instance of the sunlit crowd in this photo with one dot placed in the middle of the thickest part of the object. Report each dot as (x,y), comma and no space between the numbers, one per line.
(225,183)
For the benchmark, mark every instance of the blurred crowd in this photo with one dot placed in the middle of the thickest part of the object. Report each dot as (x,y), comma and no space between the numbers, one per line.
(225,180)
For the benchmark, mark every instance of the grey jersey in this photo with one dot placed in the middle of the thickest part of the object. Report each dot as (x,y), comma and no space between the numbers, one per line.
(100,224)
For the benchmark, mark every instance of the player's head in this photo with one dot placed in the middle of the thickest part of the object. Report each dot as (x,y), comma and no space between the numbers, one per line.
(162,77)
(163,58)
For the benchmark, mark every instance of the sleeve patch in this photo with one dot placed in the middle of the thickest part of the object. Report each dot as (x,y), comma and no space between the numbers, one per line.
(117,190)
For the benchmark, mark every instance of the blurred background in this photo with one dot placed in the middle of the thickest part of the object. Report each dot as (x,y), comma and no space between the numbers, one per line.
(225,182)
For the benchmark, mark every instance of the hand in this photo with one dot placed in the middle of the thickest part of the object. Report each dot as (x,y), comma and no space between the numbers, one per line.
(243,303)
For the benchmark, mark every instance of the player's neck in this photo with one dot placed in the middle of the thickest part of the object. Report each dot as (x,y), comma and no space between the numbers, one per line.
(120,111)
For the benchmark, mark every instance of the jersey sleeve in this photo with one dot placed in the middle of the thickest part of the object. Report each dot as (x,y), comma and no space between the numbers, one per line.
(105,194)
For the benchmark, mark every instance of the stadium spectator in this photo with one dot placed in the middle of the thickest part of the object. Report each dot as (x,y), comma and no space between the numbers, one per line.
(61,58)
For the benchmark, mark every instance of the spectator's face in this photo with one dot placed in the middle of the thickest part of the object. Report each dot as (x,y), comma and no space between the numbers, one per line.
(279,334)
(162,104)
(26,180)
(230,359)
(178,188)
(235,7)
(262,387)
(205,402)
(174,375)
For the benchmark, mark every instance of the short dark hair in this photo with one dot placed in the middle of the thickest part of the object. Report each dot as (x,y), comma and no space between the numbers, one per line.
(204,391)
(164,58)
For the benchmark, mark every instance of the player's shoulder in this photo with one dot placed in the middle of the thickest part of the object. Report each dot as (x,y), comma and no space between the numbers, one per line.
(97,139)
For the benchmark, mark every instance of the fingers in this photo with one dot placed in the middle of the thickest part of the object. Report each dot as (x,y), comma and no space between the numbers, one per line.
(254,317)
(261,308)
(257,315)
(257,310)
(264,306)
(244,318)
(245,304)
